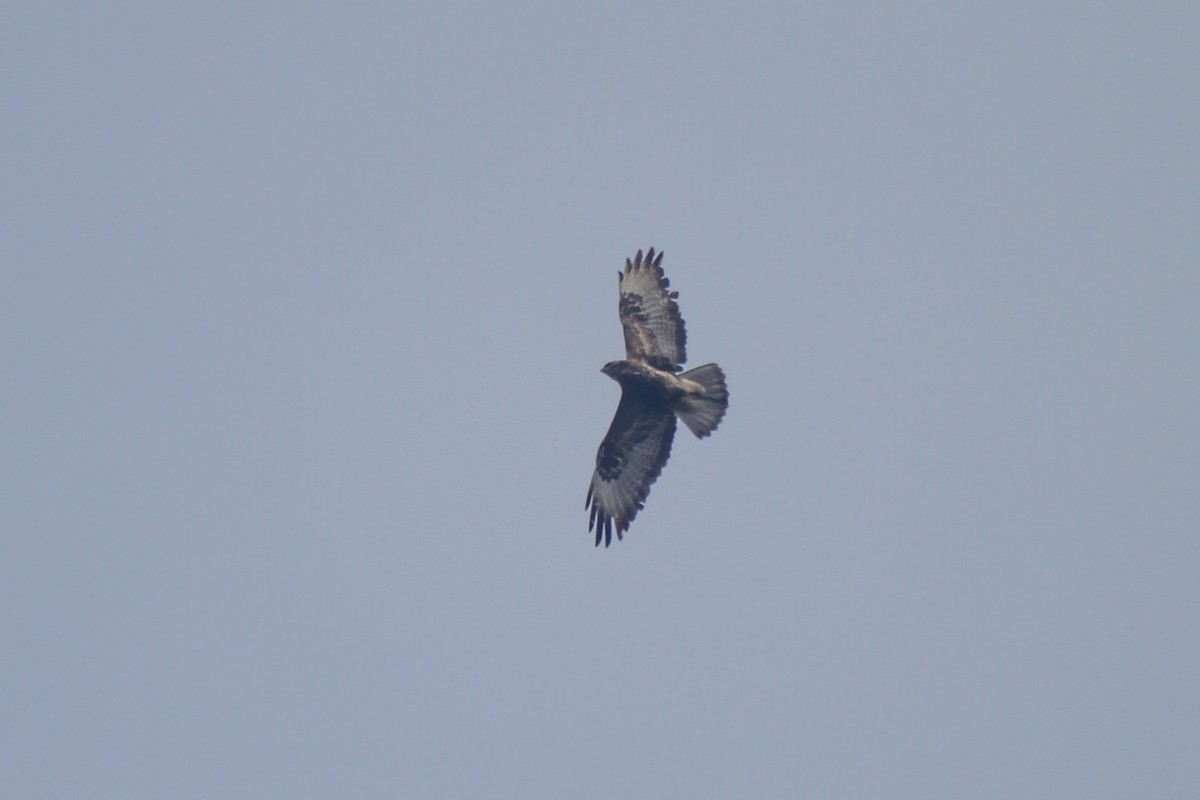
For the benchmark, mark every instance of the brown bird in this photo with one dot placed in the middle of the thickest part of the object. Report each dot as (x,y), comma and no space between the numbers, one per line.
(638,442)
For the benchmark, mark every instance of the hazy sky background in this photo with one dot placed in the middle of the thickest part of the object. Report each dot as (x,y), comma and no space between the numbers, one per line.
(303,312)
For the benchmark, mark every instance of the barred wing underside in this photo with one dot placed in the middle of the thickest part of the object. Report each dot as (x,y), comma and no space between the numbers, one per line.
(654,330)
(631,458)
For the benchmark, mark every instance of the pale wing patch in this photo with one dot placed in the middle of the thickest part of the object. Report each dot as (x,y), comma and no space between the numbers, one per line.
(654,329)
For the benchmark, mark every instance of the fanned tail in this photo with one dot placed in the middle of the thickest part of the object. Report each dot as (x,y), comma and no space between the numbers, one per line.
(702,413)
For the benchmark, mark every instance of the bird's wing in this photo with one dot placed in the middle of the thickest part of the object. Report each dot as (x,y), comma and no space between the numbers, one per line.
(631,458)
(654,330)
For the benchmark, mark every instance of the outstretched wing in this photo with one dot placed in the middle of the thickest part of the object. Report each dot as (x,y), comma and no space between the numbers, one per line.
(631,457)
(654,330)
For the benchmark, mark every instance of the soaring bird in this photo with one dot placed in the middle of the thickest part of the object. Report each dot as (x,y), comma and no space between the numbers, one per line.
(654,392)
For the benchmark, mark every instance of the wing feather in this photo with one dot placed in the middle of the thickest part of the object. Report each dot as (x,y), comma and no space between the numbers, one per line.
(654,330)
(630,459)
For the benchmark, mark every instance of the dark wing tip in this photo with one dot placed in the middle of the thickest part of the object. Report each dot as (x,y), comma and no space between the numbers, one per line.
(648,259)
(599,521)
(604,530)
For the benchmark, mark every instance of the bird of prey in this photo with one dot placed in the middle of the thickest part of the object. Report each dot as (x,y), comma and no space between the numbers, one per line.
(638,442)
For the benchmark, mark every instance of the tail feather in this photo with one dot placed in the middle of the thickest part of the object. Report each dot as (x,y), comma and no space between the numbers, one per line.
(702,413)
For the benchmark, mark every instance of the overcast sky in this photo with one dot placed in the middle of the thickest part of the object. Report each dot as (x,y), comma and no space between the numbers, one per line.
(301,324)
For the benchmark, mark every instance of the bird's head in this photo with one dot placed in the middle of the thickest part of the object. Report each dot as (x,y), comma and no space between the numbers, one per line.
(613,369)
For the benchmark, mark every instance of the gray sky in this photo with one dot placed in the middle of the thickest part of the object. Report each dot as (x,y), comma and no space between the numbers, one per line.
(303,314)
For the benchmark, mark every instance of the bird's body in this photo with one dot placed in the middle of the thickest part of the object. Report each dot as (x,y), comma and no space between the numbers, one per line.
(640,378)
(653,395)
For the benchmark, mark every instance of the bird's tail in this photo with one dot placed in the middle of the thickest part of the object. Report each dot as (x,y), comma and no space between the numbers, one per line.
(702,413)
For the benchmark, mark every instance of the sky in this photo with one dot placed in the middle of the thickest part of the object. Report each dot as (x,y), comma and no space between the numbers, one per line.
(303,312)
